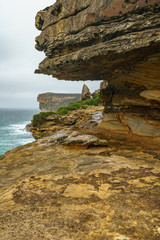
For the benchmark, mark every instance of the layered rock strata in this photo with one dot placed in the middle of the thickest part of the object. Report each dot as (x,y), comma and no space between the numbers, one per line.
(92,40)
(85,121)
(71,185)
(117,41)
(53,101)
(68,184)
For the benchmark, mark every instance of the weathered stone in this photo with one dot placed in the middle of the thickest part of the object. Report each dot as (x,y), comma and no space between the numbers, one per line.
(65,193)
(82,120)
(73,138)
(151,94)
(131,129)
(103,85)
(86,94)
(74,185)
(112,122)
(64,187)
(92,40)
(135,99)
(116,41)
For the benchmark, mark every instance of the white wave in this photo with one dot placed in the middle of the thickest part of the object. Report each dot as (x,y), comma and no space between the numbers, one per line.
(5,144)
(13,135)
(19,129)
(26,141)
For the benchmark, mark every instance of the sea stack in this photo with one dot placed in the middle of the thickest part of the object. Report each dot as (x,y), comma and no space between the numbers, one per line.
(85,93)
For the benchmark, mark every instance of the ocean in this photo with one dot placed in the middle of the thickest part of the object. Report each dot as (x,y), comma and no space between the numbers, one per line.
(12,128)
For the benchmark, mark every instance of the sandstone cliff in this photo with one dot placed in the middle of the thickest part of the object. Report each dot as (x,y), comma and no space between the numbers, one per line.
(92,174)
(53,101)
(116,41)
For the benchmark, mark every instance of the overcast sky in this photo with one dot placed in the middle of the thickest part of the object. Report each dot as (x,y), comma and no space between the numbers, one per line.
(19,86)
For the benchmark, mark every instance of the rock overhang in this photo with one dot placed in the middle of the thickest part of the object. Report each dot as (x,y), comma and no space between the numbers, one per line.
(117,41)
(92,40)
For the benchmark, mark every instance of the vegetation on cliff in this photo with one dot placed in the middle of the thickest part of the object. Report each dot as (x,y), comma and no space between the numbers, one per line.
(117,41)
(40,118)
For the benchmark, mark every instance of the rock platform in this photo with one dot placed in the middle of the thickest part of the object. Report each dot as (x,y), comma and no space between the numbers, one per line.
(71,185)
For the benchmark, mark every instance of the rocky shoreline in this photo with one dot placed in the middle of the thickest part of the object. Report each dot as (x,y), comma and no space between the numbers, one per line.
(72,185)
(93,173)
(114,41)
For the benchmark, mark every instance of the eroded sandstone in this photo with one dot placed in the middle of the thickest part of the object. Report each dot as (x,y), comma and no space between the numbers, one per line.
(85,121)
(116,41)
(92,40)
(92,175)
(51,191)
(71,184)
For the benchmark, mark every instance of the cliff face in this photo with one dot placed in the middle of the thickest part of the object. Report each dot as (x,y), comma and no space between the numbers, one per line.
(53,101)
(117,41)
(94,39)
(86,177)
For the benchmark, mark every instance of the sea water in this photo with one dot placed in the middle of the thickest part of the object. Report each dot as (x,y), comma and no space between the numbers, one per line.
(13,131)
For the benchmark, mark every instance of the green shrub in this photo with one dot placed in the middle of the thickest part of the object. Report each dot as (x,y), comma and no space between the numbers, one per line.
(97,99)
(40,118)
(91,102)
(84,106)
(73,106)
(62,110)
(96,95)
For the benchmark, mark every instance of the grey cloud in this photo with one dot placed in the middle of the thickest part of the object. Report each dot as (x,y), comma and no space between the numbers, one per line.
(19,86)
